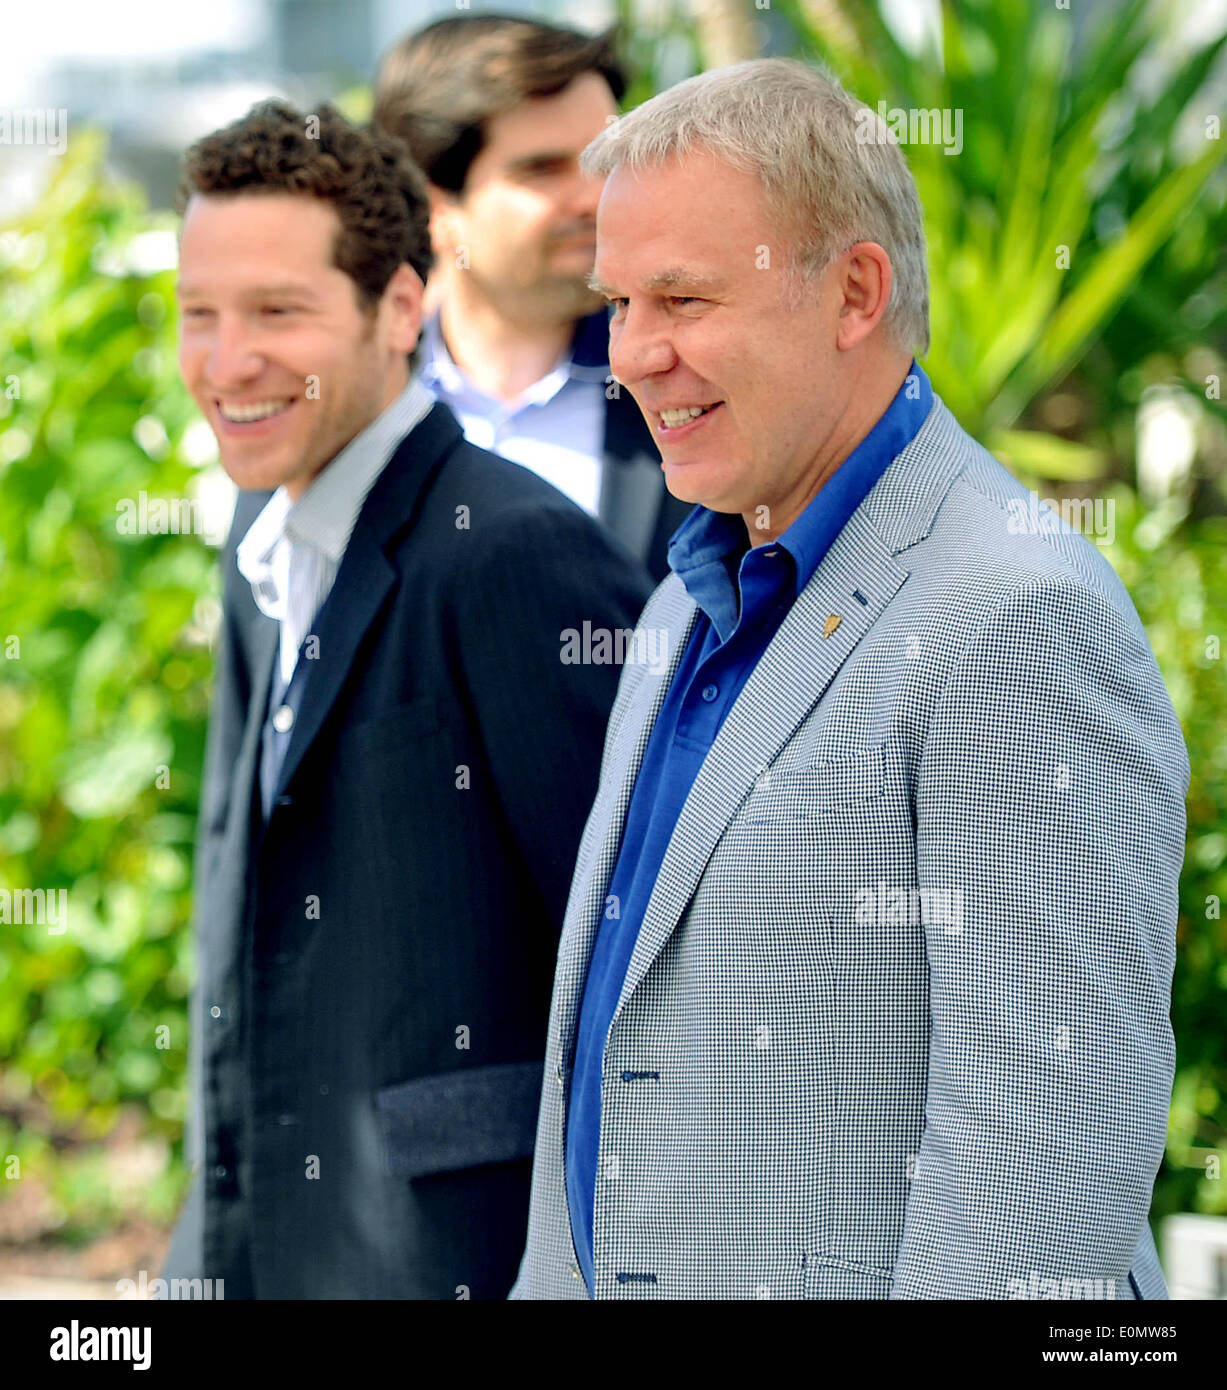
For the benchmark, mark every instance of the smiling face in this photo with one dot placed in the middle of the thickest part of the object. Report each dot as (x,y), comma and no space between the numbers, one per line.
(697,323)
(274,348)
(527,217)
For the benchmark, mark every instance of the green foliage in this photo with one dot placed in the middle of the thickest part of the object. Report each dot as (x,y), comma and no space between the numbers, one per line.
(103,685)
(1070,185)
(1177,577)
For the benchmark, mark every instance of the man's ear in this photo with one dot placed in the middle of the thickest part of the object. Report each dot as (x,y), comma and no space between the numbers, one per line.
(863,281)
(402,307)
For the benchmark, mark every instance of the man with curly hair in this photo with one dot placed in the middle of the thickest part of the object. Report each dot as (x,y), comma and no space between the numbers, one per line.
(401,753)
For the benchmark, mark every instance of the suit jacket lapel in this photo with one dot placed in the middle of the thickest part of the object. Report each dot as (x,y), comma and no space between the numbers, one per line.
(363,581)
(366,577)
(794,672)
(788,681)
(676,613)
(800,663)
(260,636)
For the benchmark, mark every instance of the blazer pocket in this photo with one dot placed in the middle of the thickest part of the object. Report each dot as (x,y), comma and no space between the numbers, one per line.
(800,795)
(460,1119)
(827,1277)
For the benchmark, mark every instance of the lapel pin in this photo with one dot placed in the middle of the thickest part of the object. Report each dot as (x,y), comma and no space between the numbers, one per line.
(831,624)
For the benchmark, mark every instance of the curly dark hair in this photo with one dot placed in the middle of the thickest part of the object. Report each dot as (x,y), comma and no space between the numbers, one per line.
(437,88)
(379,193)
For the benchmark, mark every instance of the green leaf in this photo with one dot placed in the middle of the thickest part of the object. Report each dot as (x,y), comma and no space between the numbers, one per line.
(1045,455)
(1113,271)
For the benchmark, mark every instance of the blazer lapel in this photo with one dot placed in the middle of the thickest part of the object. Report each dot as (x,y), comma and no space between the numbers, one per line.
(800,663)
(261,643)
(793,674)
(366,577)
(676,613)
(262,639)
(363,581)
(788,681)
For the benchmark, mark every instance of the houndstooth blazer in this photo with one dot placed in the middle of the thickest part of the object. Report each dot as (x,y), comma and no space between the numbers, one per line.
(897,1020)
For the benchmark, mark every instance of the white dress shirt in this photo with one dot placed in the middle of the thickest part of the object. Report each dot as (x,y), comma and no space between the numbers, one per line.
(292,551)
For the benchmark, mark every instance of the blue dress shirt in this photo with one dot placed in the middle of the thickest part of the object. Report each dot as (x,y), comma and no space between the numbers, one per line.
(743,595)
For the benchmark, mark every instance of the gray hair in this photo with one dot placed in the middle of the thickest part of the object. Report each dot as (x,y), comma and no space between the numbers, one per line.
(831,175)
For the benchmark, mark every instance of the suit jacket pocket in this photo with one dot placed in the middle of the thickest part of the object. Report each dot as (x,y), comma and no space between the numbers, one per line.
(460,1119)
(812,791)
(828,1277)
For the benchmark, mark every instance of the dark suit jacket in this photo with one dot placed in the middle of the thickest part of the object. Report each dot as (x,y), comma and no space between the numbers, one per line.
(375,963)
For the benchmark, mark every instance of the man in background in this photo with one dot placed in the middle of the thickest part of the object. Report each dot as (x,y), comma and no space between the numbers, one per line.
(496,110)
(399,763)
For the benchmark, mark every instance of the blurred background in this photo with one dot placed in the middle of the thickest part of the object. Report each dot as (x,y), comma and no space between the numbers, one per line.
(1079,310)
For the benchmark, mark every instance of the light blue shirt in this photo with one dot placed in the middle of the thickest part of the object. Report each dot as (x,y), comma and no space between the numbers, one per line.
(555,428)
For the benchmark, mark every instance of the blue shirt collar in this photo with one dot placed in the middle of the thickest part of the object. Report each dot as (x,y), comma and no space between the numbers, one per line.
(702,548)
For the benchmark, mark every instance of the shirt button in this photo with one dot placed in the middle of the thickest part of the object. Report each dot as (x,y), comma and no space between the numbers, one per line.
(215,1012)
(710,692)
(574,1271)
(283,720)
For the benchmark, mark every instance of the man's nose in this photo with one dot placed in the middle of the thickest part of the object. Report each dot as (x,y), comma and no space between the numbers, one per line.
(639,347)
(233,357)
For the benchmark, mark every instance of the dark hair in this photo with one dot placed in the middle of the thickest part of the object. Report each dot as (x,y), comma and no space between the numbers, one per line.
(438,87)
(381,199)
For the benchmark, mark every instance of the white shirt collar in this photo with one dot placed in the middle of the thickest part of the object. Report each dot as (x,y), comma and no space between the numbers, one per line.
(325,515)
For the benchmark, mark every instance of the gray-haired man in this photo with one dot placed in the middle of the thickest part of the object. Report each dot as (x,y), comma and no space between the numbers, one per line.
(864,984)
